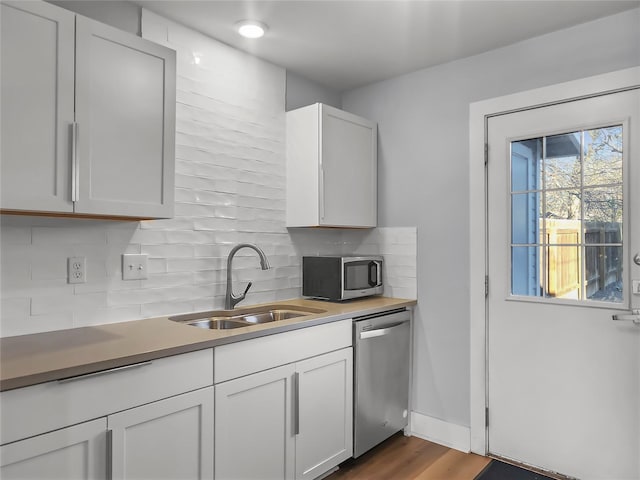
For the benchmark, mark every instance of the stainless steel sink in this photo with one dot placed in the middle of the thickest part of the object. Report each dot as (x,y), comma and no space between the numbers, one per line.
(227,319)
(270,316)
(217,324)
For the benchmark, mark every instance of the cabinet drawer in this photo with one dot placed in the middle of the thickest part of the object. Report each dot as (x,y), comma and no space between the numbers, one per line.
(48,406)
(243,358)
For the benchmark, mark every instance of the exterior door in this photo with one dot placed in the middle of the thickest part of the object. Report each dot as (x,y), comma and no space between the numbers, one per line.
(563,229)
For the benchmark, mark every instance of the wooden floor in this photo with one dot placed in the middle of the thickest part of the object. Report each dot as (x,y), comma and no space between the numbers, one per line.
(410,458)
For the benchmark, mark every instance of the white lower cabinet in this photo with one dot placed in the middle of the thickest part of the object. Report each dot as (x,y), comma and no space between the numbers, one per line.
(253,418)
(77,452)
(283,410)
(151,420)
(288,422)
(325,413)
(171,439)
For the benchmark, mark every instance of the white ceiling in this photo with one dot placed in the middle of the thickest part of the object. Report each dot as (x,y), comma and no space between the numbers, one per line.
(343,44)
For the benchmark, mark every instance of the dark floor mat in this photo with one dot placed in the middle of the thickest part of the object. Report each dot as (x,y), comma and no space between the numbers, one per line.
(503,471)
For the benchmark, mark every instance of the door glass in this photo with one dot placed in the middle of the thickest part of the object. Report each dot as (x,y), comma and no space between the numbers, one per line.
(356,275)
(567,216)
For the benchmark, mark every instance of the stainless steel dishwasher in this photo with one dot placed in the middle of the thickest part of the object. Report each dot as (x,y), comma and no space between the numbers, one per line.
(381,377)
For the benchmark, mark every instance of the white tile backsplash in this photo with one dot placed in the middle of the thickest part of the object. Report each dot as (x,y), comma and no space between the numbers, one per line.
(230,188)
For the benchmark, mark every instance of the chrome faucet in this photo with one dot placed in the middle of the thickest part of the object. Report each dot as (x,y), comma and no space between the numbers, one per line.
(231,300)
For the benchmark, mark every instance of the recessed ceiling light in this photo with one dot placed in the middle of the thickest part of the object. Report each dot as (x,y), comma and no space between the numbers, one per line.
(251,28)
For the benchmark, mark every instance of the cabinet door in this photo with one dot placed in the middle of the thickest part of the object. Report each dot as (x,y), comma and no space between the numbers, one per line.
(254,437)
(36,101)
(348,171)
(72,453)
(170,439)
(125,110)
(324,413)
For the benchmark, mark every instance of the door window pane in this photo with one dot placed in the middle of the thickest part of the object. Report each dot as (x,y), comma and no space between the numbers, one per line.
(563,271)
(526,168)
(562,168)
(563,204)
(567,216)
(525,279)
(525,217)
(603,267)
(603,156)
(603,205)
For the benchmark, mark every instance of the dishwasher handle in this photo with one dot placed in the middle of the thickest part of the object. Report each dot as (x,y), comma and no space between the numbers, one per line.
(379,332)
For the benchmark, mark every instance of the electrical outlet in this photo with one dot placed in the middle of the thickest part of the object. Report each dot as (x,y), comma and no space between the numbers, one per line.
(76,271)
(134,267)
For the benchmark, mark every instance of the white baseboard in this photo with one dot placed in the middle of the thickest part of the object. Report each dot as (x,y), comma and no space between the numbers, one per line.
(441,432)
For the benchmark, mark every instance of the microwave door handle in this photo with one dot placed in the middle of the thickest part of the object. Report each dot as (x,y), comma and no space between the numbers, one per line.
(379,270)
(374,274)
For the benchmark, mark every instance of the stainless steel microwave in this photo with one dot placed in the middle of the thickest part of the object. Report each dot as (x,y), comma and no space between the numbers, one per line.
(341,278)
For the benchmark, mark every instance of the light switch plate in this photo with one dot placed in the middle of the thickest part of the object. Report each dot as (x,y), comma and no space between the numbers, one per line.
(635,287)
(134,266)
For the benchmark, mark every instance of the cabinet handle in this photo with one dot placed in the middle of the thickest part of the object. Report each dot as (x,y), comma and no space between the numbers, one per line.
(296,401)
(109,454)
(74,162)
(103,372)
(321,193)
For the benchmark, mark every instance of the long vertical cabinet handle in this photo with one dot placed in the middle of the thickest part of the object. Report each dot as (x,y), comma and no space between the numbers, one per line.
(109,454)
(321,192)
(296,400)
(74,162)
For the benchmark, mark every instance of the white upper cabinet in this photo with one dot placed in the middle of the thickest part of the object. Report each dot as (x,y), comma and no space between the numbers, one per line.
(94,136)
(37,67)
(125,112)
(331,168)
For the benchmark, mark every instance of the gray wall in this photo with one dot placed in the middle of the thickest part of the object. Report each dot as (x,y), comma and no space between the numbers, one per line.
(302,91)
(423,121)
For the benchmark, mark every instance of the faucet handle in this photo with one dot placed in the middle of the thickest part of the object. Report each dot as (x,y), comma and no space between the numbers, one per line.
(235,299)
(246,290)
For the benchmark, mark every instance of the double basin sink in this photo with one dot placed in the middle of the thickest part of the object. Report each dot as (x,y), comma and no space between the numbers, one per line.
(227,319)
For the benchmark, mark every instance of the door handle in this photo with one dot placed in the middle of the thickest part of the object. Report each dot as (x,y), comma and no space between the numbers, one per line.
(380,331)
(633,317)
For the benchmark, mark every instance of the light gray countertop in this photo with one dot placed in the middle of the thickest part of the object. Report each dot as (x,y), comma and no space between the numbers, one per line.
(30,359)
